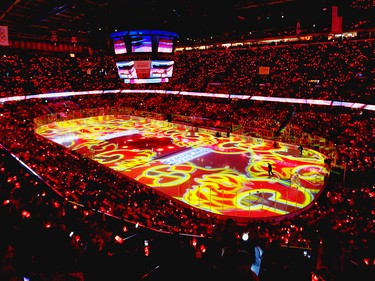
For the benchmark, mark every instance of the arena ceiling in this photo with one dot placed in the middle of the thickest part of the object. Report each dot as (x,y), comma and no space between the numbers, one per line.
(85,19)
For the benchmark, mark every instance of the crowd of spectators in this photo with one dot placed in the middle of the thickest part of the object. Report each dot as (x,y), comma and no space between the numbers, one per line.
(338,70)
(82,211)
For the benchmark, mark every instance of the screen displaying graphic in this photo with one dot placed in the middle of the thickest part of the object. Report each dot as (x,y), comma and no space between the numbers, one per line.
(145,80)
(165,44)
(143,68)
(143,41)
(119,45)
(141,44)
(126,69)
(160,68)
(144,56)
(156,71)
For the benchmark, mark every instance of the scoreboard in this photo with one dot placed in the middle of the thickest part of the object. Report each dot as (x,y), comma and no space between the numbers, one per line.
(144,56)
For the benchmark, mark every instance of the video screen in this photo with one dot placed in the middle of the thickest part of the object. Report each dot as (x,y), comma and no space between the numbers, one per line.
(143,68)
(145,71)
(165,44)
(145,80)
(161,68)
(126,69)
(119,45)
(141,44)
(155,42)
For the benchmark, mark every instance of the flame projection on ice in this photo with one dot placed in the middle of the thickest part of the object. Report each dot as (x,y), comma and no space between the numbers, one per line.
(222,175)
